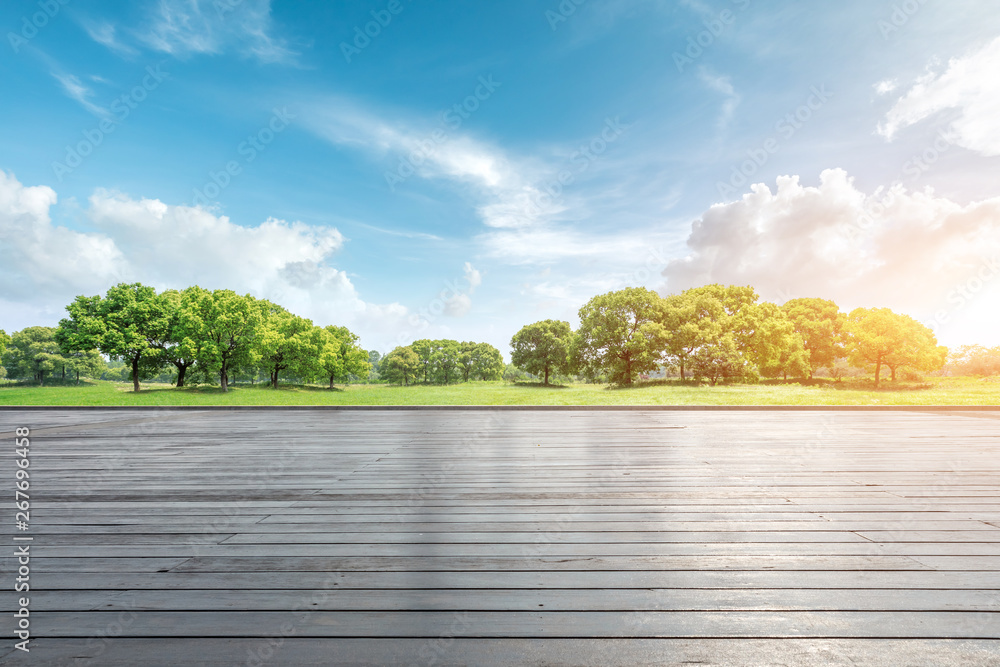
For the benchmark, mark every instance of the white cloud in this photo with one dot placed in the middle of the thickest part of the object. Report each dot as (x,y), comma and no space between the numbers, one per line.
(904,250)
(724,86)
(167,246)
(886,87)
(105,33)
(75,89)
(183,27)
(42,261)
(472,276)
(970,86)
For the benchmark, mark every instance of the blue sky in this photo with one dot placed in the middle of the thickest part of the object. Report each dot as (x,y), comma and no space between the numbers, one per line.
(398,182)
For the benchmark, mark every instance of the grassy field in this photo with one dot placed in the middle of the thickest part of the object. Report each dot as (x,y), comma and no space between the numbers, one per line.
(935,391)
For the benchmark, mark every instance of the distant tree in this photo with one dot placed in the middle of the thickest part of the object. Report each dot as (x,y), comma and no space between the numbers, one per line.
(285,342)
(975,360)
(775,347)
(424,349)
(621,334)
(123,324)
(821,325)
(339,354)
(88,363)
(31,353)
(375,359)
(445,360)
(691,320)
(878,337)
(4,342)
(721,360)
(543,348)
(401,365)
(487,362)
(227,326)
(181,343)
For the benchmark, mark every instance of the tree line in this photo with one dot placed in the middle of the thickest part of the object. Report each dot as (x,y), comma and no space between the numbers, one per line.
(718,333)
(441,362)
(216,332)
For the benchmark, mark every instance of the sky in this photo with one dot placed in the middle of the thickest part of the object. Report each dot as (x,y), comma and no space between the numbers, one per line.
(419,169)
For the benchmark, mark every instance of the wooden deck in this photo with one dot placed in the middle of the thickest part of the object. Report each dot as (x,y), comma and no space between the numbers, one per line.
(548,537)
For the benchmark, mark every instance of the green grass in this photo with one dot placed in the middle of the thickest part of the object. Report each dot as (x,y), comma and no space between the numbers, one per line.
(935,391)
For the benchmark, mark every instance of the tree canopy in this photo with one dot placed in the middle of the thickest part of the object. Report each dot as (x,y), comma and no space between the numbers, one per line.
(622,333)
(543,348)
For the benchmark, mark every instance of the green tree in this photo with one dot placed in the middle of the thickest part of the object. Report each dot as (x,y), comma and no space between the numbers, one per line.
(975,360)
(445,360)
(487,362)
(622,333)
(401,365)
(775,347)
(543,348)
(123,324)
(286,342)
(31,353)
(226,326)
(4,342)
(878,337)
(180,344)
(821,325)
(340,356)
(88,363)
(691,320)
(721,359)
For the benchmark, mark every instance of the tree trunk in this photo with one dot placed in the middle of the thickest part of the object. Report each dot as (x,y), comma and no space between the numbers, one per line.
(224,379)
(274,379)
(64,371)
(893,368)
(135,374)
(878,371)
(546,375)
(41,378)
(78,377)
(181,372)
(331,382)
(682,369)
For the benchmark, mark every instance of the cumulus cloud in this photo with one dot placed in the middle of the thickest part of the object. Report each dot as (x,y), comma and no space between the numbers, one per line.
(166,246)
(902,249)
(971,87)
(41,260)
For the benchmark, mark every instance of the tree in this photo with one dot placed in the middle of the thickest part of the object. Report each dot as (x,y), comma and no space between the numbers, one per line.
(543,348)
(444,359)
(123,325)
(691,321)
(775,347)
(285,342)
(975,360)
(180,345)
(401,365)
(88,363)
(621,333)
(821,325)
(720,359)
(878,337)
(339,354)
(487,362)
(31,353)
(226,325)
(4,342)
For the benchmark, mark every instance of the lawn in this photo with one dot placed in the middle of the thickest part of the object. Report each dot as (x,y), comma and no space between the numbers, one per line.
(935,391)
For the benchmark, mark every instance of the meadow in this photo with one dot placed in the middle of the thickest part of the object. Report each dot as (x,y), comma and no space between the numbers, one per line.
(933,391)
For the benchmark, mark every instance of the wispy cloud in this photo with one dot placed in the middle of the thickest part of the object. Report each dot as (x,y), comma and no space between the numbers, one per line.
(970,86)
(105,33)
(78,91)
